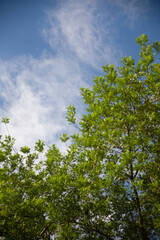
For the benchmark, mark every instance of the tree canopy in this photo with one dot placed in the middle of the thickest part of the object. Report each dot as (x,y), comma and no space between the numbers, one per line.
(107,185)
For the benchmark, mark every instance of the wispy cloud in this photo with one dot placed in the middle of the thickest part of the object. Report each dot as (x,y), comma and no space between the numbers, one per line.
(80,29)
(35,92)
(84,29)
(133,9)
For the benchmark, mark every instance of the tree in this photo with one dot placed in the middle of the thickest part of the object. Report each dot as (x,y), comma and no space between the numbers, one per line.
(107,185)
(22,214)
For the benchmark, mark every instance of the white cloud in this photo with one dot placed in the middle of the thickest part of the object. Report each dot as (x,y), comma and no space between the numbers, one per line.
(80,29)
(85,30)
(35,93)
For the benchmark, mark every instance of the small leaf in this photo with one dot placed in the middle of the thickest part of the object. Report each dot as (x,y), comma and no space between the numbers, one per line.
(64,137)
(5,120)
(25,149)
(39,146)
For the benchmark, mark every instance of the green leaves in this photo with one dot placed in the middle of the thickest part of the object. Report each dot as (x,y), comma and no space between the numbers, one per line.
(39,146)
(64,137)
(120,131)
(106,186)
(70,116)
(142,40)
(5,120)
(25,149)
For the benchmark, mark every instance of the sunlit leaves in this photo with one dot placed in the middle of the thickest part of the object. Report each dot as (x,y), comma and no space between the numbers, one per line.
(25,149)
(5,120)
(64,137)
(106,186)
(70,116)
(39,146)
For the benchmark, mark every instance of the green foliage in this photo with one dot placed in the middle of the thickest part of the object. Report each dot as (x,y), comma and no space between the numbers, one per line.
(25,149)
(70,116)
(64,137)
(5,120)
(107,184)
(39,146)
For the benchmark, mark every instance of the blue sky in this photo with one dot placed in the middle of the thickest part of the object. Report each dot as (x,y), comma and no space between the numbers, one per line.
(49,49)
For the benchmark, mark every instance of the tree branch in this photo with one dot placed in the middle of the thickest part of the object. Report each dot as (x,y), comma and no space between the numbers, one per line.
(101,233)
(45,229)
